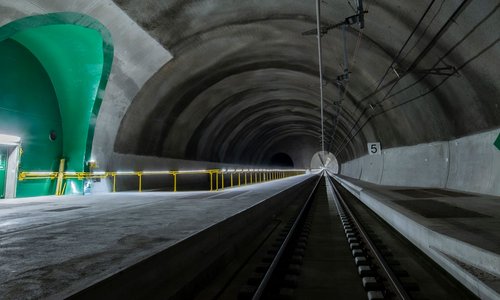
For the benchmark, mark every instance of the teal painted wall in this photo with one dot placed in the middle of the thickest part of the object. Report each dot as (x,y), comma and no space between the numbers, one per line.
(73,58)
(29,109)
(75,53)
(3,170)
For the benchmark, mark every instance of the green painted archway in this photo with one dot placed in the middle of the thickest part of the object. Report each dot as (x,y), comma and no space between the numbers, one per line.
(55,68)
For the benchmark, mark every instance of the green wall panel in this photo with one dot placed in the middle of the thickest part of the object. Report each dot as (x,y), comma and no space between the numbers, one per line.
(3,170)
(75,53)
(73,58)
(29,109)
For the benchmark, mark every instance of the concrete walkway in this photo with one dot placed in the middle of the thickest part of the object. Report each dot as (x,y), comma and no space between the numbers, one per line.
(460,231)
(53,247)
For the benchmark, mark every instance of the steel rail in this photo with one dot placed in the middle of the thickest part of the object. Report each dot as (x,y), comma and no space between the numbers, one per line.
(393,280)
(267,277)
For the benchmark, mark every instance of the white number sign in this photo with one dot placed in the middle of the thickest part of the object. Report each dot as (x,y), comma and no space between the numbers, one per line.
(374,148)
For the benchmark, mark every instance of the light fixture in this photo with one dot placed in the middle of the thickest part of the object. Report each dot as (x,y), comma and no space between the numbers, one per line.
(9,139)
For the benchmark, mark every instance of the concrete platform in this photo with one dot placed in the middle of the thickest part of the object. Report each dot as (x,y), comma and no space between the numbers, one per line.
(460,231)
(53,247)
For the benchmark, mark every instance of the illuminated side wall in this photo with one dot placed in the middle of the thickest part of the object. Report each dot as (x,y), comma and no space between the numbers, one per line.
(29,109)
(53,79)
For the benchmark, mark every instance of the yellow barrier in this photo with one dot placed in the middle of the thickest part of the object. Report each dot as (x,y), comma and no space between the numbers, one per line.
(255,176)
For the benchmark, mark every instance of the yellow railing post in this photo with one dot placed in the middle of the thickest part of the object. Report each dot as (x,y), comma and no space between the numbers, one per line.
(245,178)
(217,180)
(222,180)
(231,179)
(211,181)
(114,181)
(175,181)
(251,178)
(239,178)
(139,174)
(60,177)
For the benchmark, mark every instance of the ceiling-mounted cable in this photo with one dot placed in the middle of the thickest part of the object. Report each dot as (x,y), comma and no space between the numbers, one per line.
(341,146)
(415,62)
(343,88)
(320,63)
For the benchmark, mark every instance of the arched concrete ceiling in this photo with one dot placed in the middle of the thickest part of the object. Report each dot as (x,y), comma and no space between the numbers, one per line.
(244,79)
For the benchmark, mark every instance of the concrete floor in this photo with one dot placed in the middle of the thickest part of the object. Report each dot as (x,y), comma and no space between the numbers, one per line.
(55,246)
(460,231)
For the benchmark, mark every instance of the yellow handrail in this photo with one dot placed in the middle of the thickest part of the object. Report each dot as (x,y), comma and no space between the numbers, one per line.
(254,175)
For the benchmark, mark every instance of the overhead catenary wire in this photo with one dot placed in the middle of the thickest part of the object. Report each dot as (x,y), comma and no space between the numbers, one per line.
(343,89)
(320,63)
(381,80)
(413,65)
(429,46)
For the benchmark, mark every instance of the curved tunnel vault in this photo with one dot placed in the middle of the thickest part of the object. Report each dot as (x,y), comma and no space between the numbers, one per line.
(245,78)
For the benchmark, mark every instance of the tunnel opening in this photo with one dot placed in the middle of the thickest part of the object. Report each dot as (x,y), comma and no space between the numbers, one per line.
(281,160)
(324,160)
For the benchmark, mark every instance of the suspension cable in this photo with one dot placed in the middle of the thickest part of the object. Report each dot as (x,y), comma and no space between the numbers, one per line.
(415,62)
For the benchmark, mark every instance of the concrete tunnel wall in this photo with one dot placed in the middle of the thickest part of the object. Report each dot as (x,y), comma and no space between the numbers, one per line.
(471,163)
(242,83)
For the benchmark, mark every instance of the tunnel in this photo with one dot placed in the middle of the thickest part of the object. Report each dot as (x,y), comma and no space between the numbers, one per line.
(103,103)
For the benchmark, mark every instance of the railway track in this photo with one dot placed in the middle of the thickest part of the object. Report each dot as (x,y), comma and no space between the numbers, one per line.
(335,248)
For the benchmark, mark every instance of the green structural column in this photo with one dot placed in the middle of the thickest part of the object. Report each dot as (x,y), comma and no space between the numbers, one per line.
(51,90)
(497,142)
(3,170)
(29,109)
